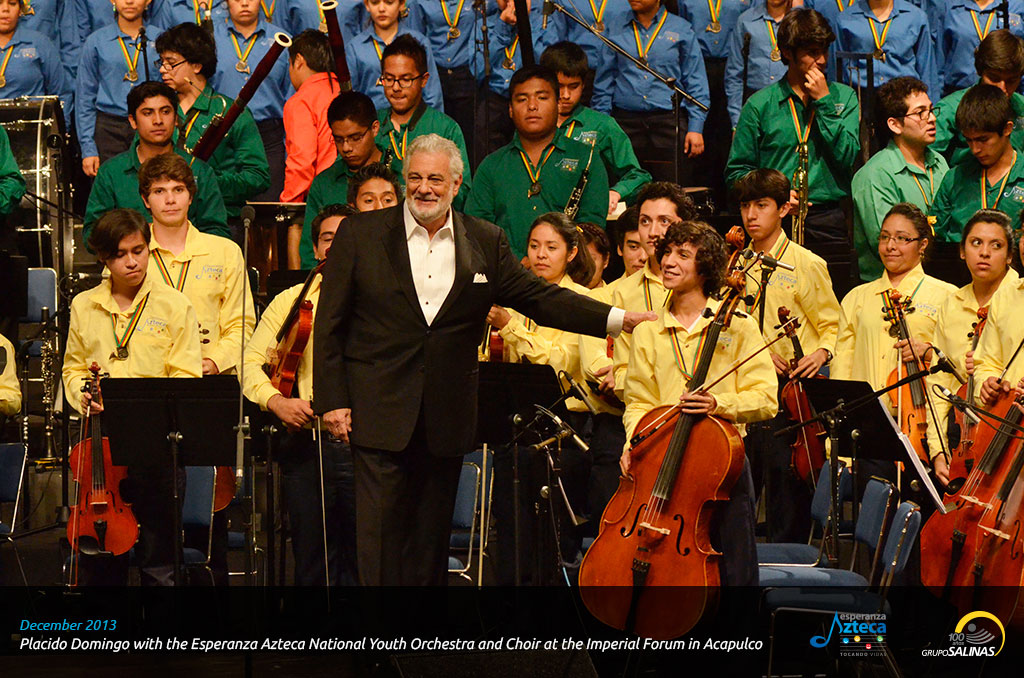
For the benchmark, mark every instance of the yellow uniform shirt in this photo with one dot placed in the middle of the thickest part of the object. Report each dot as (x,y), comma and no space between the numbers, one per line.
(594,350)
(256,384)
(953,327)
(655,378)
(526,341)
(806,292)
(642,291)
(211,273)
(10,389)
(1004,331)
(165,342)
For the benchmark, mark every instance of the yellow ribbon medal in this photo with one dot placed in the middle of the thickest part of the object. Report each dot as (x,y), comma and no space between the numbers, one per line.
(716,11)
(453,25)
(3,68)
(879,53)
(775,54)
(977,26)
(535,176)
(599,14)
(243,59)
(165,273)
(984,186)
(133,63)
(121,353)
(642,50)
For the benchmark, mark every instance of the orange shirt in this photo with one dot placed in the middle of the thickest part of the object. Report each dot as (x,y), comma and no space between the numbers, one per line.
(308,140)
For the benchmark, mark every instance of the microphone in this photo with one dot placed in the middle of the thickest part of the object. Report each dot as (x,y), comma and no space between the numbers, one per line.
(248,216)
(947,365)
(564,428)
(578,391)
(549,7)
(767,260)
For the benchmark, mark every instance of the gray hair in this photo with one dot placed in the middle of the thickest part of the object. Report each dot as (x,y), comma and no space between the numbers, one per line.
(434,143)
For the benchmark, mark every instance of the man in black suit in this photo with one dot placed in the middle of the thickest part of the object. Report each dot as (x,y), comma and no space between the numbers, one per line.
(405,294)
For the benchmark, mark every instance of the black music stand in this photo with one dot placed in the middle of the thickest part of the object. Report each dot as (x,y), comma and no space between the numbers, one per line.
(192,419)
(506,395)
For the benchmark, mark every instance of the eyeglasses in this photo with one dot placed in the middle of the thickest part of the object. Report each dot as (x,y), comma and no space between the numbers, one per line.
(351,139)
(404,82)
(161,64)
(899,238)
(923,115)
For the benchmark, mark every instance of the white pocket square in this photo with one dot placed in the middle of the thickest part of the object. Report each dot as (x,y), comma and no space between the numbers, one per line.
(479,278)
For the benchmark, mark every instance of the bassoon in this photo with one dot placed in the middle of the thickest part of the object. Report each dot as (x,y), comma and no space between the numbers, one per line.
(330,10)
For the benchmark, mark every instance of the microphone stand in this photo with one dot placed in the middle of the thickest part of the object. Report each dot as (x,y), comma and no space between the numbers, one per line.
(480,6)
(678,93)
(242,429)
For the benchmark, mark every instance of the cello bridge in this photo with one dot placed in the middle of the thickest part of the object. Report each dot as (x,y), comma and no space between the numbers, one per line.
(996,533)
(652,528)
(976,502)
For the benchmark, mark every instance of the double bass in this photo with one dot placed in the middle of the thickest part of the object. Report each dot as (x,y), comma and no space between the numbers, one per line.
(809,446)
(101,522)
(652,570)
(910,400)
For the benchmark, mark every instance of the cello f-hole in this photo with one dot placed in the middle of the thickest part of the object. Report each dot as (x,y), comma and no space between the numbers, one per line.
(1015,551)
(679,536)
(636,519)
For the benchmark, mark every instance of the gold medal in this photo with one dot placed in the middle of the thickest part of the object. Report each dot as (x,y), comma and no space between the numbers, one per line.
(3,81)
(122,353)
(454,32)
(534,189)
(509,64)
(715,27)
(323,26)
(878,54)
(242,67)
(599,27)
(132,76)
(775,55)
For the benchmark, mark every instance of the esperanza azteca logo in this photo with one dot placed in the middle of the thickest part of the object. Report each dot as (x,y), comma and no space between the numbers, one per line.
(857,634)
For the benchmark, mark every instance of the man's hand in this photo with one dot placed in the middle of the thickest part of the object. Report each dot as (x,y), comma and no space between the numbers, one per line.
(498,317)
(992,389)
(920,348)
(781,364)
(634,318)
(693,144)
(90,407)
(607,386)
(293,412)
(508,11)
(941,469)
(969,363)
(697,402)
(210,367)
(624,463)
(810,364)
(91,165)
(339,423)
(815,84)
(613,201)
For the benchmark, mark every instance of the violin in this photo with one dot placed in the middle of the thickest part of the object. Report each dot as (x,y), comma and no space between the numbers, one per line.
(809,446)
(962,459)
(282,364)
(652,570)
(977,544)
(910,400)
(492,346)
(101,522)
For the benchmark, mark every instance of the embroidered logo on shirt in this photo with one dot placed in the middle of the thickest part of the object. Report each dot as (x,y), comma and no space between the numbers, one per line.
(671,36)
(27,52)
(568,164)
(210,271)
(588,137)
(1014,193)
(155,326)
(840,107)
(1019,122)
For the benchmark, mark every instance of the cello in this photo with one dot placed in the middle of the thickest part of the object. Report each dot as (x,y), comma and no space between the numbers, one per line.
(652,570)
(962,459)
(910,400)
(809,446)
(101,522)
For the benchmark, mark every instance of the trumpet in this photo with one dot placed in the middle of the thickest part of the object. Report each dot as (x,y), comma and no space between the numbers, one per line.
(801,186)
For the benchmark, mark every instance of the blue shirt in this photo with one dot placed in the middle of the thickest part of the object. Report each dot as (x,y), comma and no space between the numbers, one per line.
(698,13)
(45,19)
(599,55)
(503,36)
(675,52)
(168,13)
(101,83)
(268,101)
(364,65)
(958,39)
(305,14)
(908,45)
(830,9)
(761,70)
(85,17)
(427,18)
(35,69)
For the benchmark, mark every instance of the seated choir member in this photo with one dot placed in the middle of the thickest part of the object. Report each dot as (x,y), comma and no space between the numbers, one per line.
(997,369)
(131,325)
(297,451)
(866,351)
(374,187)
(663,355)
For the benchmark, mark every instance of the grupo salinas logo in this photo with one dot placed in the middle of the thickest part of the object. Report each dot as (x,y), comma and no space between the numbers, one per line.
(857,634)
(977,634)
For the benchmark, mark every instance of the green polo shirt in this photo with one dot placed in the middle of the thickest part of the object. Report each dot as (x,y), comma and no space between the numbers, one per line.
(616,151)
(952,145)
(117,185)
(432,121)
(239,161)
(959,197)
(501,190)
(884,180)
(328,188)
(766,137)
(12,183)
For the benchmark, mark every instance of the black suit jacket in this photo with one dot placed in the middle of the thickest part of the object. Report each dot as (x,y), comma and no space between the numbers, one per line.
(375,353)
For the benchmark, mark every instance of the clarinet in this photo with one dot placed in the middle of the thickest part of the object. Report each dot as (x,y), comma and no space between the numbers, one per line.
(572,207)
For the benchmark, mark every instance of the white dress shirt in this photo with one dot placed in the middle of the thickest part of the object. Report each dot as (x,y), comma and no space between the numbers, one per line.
(433,268)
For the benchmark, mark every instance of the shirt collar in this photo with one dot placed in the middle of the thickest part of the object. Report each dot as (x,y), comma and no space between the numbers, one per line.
(558,141)
(861,6)
(411,224)
(102,295)
(193,244)
(260,25)
(909,284)
(654,23)
(931,158)
(671,322)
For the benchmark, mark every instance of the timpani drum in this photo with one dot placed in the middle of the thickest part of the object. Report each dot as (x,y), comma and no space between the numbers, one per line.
(35,126)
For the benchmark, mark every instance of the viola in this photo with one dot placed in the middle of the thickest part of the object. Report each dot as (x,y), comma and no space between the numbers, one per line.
(962,458)
(809,447)
(985,507)
(101,522)
(652,570)
(910,400)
